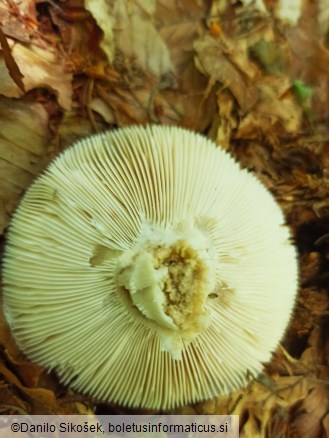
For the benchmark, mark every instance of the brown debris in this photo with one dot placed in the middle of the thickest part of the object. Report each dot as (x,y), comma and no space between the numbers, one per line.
(252,76)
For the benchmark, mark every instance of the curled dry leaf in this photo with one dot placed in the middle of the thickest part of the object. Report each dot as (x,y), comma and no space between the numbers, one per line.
(129,29)
(79,41)
(313,408)
(41,69)
(215,60)
(10,62)
(139,106)
(257,4)
(19,21)
(72,127)
(27,372)
(325,426)
(306,316)
(226,121)
(10,403)
(285,10)
(37,400)
(288,11)
(148,89)
(310,59)
(265,103)
(251,427)
(261,405)
(275,113)
(191,98)
(101,10)
(23,151)
(99,106)
(323,18)
(290,398)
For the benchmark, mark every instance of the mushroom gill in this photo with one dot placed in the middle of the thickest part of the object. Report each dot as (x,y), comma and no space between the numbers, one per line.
(148,269)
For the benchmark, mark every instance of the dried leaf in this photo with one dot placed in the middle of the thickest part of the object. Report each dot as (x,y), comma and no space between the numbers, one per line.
(259,88)
(269,55)
(313,408)
(285,10)
(27,372)
(10,403)
(40,68)
(99,106)
(323,16)
(251,428)
(137,38)
(226,121)
(153,95)
(211,61)
(289,11)
(31,400)
(257,4)
(101,10)
(19,20)
(325,426)
(23,151)
(311,58)
(129,29)
(10,62)
(73,127)
(276,112)
(192,98)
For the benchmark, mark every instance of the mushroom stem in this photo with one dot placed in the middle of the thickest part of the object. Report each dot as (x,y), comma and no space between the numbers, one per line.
(167,281)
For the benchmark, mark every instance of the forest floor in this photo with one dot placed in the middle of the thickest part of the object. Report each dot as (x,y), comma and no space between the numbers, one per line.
(253,77)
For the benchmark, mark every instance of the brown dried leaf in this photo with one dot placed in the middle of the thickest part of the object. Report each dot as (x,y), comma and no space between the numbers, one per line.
(80,38)
(35,401)
(139,106)
(252,427)
(10,62)
(27,372)
(10,403)
(41,69)
(211,61)
(311,305)
(323,19)
(311,57)
(325,426)
(191,97)
(72,128)
(225,122)
(265,406)
(19,20)
(129,30)
(275,113)
(313,408)
(23,151)
(151,93)
(102,11)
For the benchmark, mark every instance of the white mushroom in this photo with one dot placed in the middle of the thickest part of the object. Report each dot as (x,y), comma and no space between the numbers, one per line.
(148,270)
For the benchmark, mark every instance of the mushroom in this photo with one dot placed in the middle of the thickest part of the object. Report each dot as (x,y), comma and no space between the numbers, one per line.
(148,269)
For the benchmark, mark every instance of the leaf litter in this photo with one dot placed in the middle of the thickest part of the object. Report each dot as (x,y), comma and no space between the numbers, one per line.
(251,75)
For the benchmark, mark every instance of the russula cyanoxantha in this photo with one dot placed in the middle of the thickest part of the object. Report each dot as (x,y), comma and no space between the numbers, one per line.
(148,269)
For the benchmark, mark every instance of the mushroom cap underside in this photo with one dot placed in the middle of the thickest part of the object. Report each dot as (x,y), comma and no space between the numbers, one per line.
(148,269)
